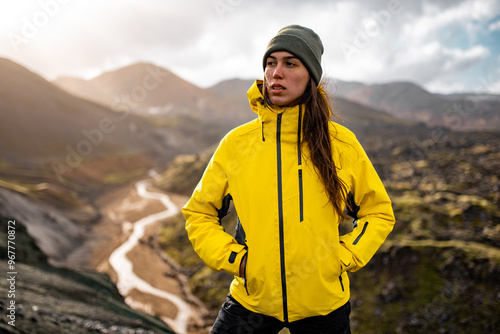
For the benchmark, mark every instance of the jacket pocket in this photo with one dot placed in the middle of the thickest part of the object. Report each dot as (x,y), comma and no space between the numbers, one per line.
(346,260)
(301,196)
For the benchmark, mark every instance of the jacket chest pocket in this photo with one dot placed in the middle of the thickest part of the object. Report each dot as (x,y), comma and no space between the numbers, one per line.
(301,196)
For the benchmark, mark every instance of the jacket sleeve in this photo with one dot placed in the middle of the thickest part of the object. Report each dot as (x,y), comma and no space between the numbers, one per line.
(372,210)
(218,249)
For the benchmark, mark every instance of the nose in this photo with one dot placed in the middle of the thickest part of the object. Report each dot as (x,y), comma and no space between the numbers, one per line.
(278,71)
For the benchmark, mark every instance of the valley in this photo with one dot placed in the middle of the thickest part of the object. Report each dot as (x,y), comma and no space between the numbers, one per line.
(87,179)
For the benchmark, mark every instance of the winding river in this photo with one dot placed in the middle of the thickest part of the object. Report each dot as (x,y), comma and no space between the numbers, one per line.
(128,280)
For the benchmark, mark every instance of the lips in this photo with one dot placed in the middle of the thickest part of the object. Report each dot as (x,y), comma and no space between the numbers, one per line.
(277,88)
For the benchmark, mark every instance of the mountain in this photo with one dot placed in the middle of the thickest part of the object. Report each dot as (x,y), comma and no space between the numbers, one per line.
(151,90)
(409,101)
(182,115)
(232,87)
(65,150)
(42,123)
(62,151)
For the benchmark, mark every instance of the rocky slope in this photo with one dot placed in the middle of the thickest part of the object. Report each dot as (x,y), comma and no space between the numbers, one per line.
(47,299)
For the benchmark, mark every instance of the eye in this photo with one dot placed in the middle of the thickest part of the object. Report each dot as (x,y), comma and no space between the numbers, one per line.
(270,63)
(290,63)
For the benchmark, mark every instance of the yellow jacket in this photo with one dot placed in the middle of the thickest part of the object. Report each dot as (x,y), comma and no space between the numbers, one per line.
(296,260)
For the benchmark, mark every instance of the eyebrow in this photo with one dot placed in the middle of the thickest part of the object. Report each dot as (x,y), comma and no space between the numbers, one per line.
(286,57)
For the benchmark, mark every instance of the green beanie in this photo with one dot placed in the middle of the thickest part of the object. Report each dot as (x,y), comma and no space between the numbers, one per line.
(303,43)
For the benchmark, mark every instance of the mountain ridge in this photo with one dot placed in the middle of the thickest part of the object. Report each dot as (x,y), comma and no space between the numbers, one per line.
(148,89)
(407,100)
(403,99)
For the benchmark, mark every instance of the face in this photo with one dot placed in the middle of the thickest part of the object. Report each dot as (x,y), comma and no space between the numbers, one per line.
(286,78)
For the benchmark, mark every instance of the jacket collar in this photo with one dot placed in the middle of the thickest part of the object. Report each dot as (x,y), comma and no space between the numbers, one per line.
(268,115)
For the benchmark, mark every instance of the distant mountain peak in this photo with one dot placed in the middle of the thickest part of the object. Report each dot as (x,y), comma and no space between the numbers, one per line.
(41,122)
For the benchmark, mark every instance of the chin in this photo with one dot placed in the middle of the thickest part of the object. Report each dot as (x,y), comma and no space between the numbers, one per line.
(280,102)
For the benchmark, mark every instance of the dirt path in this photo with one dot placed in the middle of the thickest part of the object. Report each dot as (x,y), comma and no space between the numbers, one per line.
(125,250)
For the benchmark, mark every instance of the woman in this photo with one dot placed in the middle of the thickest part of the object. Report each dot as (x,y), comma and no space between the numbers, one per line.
(290,172)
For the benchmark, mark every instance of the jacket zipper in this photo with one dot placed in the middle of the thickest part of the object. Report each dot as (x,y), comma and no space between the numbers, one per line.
(361,234)
(299,159)
(280,213)
(341,284)
(301,197)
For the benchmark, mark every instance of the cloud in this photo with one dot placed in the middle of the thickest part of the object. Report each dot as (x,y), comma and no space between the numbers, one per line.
(495,26)
(424,64)
(435,17)
(208,41)
(94,33)
(415,46)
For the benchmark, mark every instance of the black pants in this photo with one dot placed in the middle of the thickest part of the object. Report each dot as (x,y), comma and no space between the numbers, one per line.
(233,318)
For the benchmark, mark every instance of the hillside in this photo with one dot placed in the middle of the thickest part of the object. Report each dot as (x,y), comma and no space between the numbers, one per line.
(65,150)
(62,151)
(234,88)
(181,116)
(56,300)
(409,101)
(41,123)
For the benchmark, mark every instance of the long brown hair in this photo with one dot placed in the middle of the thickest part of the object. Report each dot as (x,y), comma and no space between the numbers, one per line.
(316,134)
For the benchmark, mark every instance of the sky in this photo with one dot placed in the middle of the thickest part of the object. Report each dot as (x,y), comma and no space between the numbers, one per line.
(447,46)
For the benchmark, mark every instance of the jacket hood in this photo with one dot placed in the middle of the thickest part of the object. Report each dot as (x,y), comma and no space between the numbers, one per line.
(255,96)
(265,112)
(268,116)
